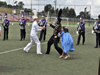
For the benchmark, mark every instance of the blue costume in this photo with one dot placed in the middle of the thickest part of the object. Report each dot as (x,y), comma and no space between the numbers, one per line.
(66,41)
(6,28)
(22,29)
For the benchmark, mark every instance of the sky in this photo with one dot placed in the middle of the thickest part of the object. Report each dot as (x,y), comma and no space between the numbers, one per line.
(92,5)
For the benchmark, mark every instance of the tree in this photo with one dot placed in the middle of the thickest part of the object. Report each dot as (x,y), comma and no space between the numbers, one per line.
(72,13)
(9,6)
(85,13)
(65,12)
(47,8)
(56,11)
(3,4)
(52,10)
(20,4)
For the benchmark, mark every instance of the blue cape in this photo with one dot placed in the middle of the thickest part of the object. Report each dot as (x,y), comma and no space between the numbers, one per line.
(67,42)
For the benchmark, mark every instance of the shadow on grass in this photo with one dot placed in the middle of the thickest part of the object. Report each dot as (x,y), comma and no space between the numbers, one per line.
(74,58)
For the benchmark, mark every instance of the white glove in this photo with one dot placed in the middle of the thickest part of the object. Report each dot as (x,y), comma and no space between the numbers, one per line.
(78,23)
(92,31)
(0,28)
(77,32)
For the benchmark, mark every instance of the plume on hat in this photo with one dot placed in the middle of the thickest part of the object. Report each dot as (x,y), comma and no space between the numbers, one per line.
(43,15)
(35,14)
(99,16)
(5,14)
(23,13)
(59,15)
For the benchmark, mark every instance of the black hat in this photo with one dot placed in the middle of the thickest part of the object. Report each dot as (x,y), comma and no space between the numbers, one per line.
(82,16)
(22,13)
(43,15)
(59,15)
(5,15)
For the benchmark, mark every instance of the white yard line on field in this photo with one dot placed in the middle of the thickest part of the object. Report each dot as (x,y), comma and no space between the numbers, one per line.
(17,49)
(11,50)
(32,46)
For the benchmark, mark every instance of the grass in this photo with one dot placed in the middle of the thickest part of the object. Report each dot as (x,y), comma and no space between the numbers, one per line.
(83,61)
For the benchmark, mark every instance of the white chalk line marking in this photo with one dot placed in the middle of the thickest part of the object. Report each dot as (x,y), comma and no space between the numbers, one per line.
(17,49)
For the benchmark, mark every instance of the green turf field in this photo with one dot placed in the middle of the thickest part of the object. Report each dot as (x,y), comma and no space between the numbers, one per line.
(14,61)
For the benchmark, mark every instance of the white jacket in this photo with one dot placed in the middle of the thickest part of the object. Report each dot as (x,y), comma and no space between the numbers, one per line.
(35,28)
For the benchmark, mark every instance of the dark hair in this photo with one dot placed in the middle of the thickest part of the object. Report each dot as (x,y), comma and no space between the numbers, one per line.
(66,29)
(63,27)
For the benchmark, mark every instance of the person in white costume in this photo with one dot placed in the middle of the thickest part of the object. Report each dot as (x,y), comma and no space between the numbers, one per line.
(33,36)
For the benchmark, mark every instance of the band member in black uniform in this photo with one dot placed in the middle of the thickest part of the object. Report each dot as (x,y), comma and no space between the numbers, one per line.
(6,27)
(54,38)
(43,32)
(96,28)
(22,28)
(81,31)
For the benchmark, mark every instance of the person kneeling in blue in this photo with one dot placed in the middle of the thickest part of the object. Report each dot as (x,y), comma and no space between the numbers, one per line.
(67,42)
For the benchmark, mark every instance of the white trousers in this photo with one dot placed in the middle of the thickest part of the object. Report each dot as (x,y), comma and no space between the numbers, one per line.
(33,39)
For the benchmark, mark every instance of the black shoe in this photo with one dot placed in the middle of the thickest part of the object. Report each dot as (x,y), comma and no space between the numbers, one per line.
(20,39)
(77,44)
(96,47)
(46,53)
(39,39)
